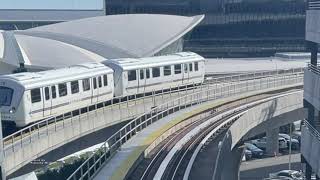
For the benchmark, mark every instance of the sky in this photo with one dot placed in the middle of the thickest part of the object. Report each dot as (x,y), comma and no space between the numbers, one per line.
(51,4)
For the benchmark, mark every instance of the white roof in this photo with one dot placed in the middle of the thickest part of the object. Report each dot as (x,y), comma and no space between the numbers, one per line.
(43,78)
(177,58)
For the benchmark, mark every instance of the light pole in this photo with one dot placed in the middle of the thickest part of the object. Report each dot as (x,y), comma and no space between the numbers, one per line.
(290,133)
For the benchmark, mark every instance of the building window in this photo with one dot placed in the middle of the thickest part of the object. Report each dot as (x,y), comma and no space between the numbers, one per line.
(74,87)
(86,84)
(190,67)
(94,83)
(177,69)
(105,80)
(132,75)
(148,73)
(196,66)
(35,95)
(156,72)
(100,81)
(53,91)
(62,89)
(46,93)
(167,70)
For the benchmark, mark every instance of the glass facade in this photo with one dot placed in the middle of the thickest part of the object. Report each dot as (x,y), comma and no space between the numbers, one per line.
(236,28)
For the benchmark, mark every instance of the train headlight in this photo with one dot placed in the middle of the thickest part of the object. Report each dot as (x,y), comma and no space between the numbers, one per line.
(12,110)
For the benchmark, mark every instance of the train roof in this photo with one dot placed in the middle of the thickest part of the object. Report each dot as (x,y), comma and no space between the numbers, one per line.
(44,78)
(138,63)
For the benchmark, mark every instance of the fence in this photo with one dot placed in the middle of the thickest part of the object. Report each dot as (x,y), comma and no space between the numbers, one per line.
(95,162)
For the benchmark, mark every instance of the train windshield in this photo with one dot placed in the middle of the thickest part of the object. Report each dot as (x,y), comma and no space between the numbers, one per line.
(5,96)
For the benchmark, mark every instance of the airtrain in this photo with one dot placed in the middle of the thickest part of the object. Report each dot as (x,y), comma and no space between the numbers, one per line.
(32,96)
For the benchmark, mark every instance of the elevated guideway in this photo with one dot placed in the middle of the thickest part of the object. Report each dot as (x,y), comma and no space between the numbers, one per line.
(40,138)
(202,100)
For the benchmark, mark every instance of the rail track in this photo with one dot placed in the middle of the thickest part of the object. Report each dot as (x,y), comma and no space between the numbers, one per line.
(176,167)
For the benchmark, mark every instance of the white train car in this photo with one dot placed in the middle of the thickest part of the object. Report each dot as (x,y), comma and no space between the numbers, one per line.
(29,97)
(135,76)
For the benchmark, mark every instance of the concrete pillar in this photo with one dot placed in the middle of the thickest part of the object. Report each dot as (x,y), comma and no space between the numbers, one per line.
(308,171)
(272,141)
(231,168)
(313,48)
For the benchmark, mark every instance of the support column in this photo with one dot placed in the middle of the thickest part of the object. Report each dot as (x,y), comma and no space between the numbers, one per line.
(313,47)
(272,142)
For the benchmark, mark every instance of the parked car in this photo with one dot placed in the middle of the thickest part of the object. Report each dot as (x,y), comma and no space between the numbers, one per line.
(256,152)
(262,143)
(297,135)
(294,142)
(247,155)
(294,175)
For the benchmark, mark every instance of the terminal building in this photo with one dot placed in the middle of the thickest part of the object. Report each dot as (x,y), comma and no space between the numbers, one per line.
(231,28)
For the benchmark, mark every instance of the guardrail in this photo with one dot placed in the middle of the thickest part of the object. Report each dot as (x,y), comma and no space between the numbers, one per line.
(314,4)
(95,162)
(312,129)
(314,68)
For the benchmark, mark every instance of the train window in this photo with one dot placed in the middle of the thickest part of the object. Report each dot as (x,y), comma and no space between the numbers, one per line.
(141,74)
(5,96)
(86,84)
(94,83)
(148,73)
(167,70)
(185,68)
(53,91)
(190,67)
(105,80)
(35,95)
(46,93)
(196,66)
(74,87)
(132,75)
(156,72)
(62,89)
(177,69)
(99,81)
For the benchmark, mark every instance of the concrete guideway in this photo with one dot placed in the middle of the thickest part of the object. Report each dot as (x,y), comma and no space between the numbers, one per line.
(123,170)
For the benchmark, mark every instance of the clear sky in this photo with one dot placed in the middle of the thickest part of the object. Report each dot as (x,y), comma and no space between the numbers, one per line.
(51,4)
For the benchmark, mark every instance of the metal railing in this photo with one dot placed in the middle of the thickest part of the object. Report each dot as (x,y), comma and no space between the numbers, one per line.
(314,68)
(96,161)
(314,4)
(312,129)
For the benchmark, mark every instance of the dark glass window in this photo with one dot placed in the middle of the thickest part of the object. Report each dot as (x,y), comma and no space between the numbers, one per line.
(196,66)
(141,74)
(35,95)
(177,69)
(105,80)
(185,68)
(5,96)
(167,70)
(156,72)
(132,75)
(86,84)
(63,91)
(100,81)
(53,91)
(94,83)
(190,67)
(46,92)
(74,87)
(148,73)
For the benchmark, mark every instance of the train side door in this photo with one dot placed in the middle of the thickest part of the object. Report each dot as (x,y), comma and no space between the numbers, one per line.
(141,80)
(94,90)
(185,74)
(47,101)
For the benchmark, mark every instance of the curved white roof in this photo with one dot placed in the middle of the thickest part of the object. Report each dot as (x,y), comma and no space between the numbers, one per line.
(94,39)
